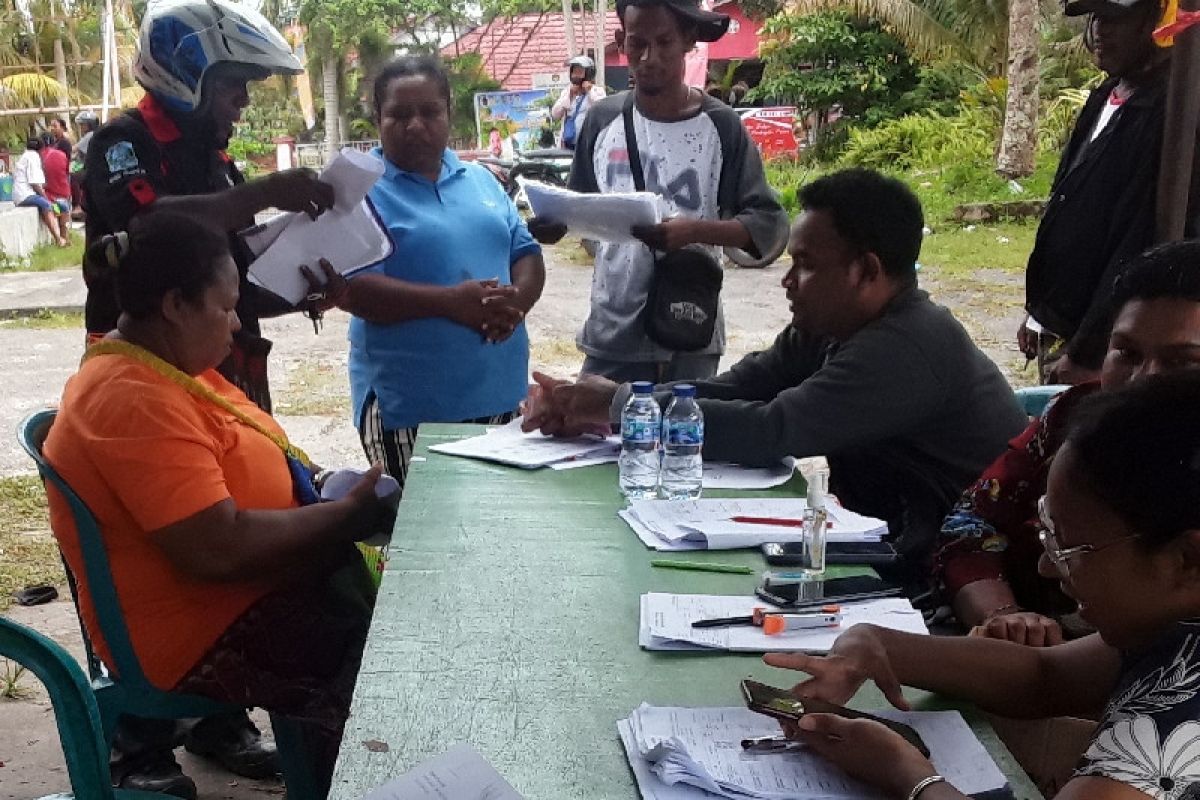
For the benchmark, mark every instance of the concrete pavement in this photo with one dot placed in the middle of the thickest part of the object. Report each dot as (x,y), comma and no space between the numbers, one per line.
(23,293)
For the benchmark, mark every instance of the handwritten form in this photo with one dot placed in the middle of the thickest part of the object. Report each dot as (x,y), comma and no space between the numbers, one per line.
(509,445)
(707,523)
(349,234)
(677,752)
(458,774)
(666,623)
(607,217)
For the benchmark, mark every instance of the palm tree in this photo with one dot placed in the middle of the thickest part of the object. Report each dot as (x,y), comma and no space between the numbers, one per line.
(979,33)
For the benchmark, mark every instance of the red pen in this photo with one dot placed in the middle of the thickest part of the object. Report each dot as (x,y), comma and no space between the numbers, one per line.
(781,522)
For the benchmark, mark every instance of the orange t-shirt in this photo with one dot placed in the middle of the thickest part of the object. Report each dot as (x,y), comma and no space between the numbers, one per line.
(143,454)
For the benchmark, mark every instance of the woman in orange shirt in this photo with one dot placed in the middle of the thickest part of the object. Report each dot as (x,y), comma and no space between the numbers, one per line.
(224,576)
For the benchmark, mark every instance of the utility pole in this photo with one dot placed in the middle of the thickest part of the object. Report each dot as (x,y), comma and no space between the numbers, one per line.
(1182,126)
(601,32)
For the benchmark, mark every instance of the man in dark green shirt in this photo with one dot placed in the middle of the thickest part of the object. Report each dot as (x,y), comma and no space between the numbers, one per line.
(870,373)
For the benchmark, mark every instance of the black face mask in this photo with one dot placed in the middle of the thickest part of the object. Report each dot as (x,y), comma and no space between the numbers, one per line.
(576,80)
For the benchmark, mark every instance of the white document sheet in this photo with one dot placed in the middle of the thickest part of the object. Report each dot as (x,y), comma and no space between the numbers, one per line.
(707,523)
(607,217)
(508,444)
(349,235)
(666,623)
(460,773)
(701,747)
(724,475)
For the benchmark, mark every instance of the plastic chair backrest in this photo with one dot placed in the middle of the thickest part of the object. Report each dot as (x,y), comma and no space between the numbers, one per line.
(74,707)
(1034,399)
(96,569)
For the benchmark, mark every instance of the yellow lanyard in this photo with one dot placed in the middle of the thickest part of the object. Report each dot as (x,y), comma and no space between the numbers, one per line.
(192,386)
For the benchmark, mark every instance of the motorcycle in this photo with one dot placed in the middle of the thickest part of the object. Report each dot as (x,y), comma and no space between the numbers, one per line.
(548,165)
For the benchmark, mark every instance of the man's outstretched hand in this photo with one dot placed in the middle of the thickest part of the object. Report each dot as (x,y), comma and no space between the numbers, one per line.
(558,407)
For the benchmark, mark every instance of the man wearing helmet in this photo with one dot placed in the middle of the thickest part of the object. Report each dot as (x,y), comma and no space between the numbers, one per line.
(195,60)
(573,104)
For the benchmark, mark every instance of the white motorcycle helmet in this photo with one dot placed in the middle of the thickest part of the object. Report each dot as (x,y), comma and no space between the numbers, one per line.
(182,39)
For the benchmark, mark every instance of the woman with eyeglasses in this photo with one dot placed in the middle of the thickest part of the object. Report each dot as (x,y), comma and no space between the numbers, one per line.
(985,565)
(1121,535)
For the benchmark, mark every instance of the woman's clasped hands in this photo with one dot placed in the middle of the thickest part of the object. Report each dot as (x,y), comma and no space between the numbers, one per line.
(487,306)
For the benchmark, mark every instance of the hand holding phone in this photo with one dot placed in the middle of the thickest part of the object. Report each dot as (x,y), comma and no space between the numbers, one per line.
(781,705)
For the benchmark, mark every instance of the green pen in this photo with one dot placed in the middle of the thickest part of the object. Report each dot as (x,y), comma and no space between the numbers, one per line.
(701,566)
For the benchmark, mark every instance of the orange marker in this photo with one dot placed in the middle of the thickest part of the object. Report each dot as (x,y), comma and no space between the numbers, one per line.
(775,624)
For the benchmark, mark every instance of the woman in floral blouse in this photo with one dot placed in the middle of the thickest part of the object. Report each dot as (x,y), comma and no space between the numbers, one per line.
(1120,530)
(986,562)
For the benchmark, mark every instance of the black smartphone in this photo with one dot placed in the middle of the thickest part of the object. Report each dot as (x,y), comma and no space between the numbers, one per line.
(791,554)
(781,705)
(835,590)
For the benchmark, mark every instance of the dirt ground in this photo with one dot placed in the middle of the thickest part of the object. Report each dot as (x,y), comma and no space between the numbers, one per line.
(308,374)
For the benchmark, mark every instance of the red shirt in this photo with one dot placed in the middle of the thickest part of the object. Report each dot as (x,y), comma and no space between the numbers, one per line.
(58,181)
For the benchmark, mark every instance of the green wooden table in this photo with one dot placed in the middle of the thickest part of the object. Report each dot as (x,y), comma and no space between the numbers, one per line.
(508,618)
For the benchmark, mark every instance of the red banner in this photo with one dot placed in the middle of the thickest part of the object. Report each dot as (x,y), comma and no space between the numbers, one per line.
(772,129)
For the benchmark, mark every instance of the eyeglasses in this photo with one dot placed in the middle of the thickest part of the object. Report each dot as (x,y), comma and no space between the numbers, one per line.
(1061,556)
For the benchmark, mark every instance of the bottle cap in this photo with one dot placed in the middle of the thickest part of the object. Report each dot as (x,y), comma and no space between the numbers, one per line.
(642,387)
(684,390)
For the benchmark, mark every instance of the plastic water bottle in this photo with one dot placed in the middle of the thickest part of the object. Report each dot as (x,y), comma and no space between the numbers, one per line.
(641,426)
(683,440)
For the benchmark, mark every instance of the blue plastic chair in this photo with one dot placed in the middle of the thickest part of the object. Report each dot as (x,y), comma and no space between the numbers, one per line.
(75,712)
(1034,399)
(130,692)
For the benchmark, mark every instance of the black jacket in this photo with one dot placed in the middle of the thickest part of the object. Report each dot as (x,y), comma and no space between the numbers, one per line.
(1101,212)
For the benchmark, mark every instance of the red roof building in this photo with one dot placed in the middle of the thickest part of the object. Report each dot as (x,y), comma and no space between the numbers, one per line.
(514,49)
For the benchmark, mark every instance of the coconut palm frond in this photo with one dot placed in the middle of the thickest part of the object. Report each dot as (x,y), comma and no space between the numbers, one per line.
(29,89)
(924,36)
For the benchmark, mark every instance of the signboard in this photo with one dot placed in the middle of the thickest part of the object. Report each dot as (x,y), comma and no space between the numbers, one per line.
(772,130)
(510,121)
(551,80)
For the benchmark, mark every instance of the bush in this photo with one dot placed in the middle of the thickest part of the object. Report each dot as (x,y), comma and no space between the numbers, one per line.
(923,140)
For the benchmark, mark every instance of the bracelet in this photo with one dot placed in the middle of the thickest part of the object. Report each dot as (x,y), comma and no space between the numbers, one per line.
(924,784)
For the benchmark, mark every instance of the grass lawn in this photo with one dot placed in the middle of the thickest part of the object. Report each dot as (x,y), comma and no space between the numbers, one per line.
(28,554)
(45,318)
(49,257)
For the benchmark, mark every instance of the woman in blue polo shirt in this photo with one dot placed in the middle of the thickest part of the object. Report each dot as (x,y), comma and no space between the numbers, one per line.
(438,333)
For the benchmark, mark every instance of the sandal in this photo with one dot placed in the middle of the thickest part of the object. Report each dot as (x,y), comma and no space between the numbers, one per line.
(36,595)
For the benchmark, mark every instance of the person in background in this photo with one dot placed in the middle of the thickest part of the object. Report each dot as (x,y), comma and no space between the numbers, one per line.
(195,60)
(1102,201)
(576,100)
(87,122)
(696,155)
(234,588)
(58,185)
(438,333)
(986,565)
(29,188)
(58,130)
(1120,532)
(869,373)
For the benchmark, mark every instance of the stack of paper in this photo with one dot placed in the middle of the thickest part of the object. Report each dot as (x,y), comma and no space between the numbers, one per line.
(694,753)
(510,445)
(666,623)
(607,217)
(458,774)
(708,524)
(349,235)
